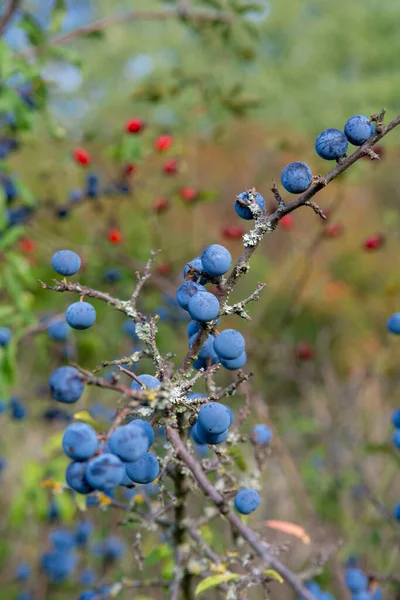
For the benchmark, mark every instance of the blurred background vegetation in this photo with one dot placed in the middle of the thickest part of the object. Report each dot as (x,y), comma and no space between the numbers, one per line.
(242,97)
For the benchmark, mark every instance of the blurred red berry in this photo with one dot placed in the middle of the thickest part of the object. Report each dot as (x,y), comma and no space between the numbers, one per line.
(129,169)
(27,246)
(134,126)
(233,232)
(286,222)
(373,242)
(378,149)
(82,157)
(163,142)
(164,269)
(304,351)
(160,205)
(170,166)
(114,236)
(334,230)
(188,194)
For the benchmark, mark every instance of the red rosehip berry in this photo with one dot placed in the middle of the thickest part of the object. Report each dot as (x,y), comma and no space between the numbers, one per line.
(163,269)
(373,242)
(134,126)
(170,166)
(129,169)
(286,222)
(163,142)
(160,205)
(27,246)
(304,351)
(114,236)
(82,157)
(188,194)
(233,232)
(333,230)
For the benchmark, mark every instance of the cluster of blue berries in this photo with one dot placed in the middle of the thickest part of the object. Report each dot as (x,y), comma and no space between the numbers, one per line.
(396,425)
(79,315)
(358,585)
(15,407)
(331,144)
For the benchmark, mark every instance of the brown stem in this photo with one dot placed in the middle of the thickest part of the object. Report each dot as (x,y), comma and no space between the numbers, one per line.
(6,17)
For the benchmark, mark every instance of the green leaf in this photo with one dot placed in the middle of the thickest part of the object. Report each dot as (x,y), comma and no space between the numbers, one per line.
(86,417)
(22,268)
(273,575)
(10,237)
(32,29)
(58,16)
(160,553)
(27,196)
(211,582)
(236,453)
(208,196)
(80,501)
(53,444)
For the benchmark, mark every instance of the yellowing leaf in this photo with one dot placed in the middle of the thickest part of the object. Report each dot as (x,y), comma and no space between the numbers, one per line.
(53,444)
(80,501)
(211,582)
(273,575)
(104,499)
(290,529)
(55,486)
(86,417)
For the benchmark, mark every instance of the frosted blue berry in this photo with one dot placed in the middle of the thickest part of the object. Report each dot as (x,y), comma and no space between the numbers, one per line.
(236,363)
(396,512)
(62,539)
(18,410)
(80,441)
(129,327)
(5,336)
(75,477)
(105,472)
(376,595)
(186,291)
(143,470)
(396,438)
(356,580)
(358,129)
(203,307)
(83,531)
(66,262)
(393,323)
(80,315)
(149,381)
(58,331)
(207,349)
(216,260)
(396,418)
(192,328)
(129,442)
(197,265)
(296,177)
(246,501)
(87,577)
(202,437)
(23,572)
(244,212)
(229,344)
(146,427)
(261,435)
(66,385)
(361,595)
(214,418)
(331,144)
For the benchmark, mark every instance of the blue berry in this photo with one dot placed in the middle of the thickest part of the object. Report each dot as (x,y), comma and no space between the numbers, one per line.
(129,327)
(126,481)
(87,577)
(396,438)
(129,442)
(207,349)
(23,572)
(331,144)
(18,410)
(229,344)
(396,418)
(186,291)
(261,435)
(66,385)
(149,381)
(356,580)
(361,595)
(192,328)
(62,539)
(3,406)
(88,595)
(296,177)
(246,501)
(377,594)
(202,437)
(58,331)
(58,565)
(244,212)
(146,427)
(80,441)
(197,265)
(214,418)
(75,476)
(5,336)
(105,472)
(112,275)
(396,512)
(216,260)
(82,532)
(24,596)
(236,363)
(203,307)
(393,323)
(92,186)
(358,129)
(80,315)
(112,548)
(144,470)
(75,196)
(66,262)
